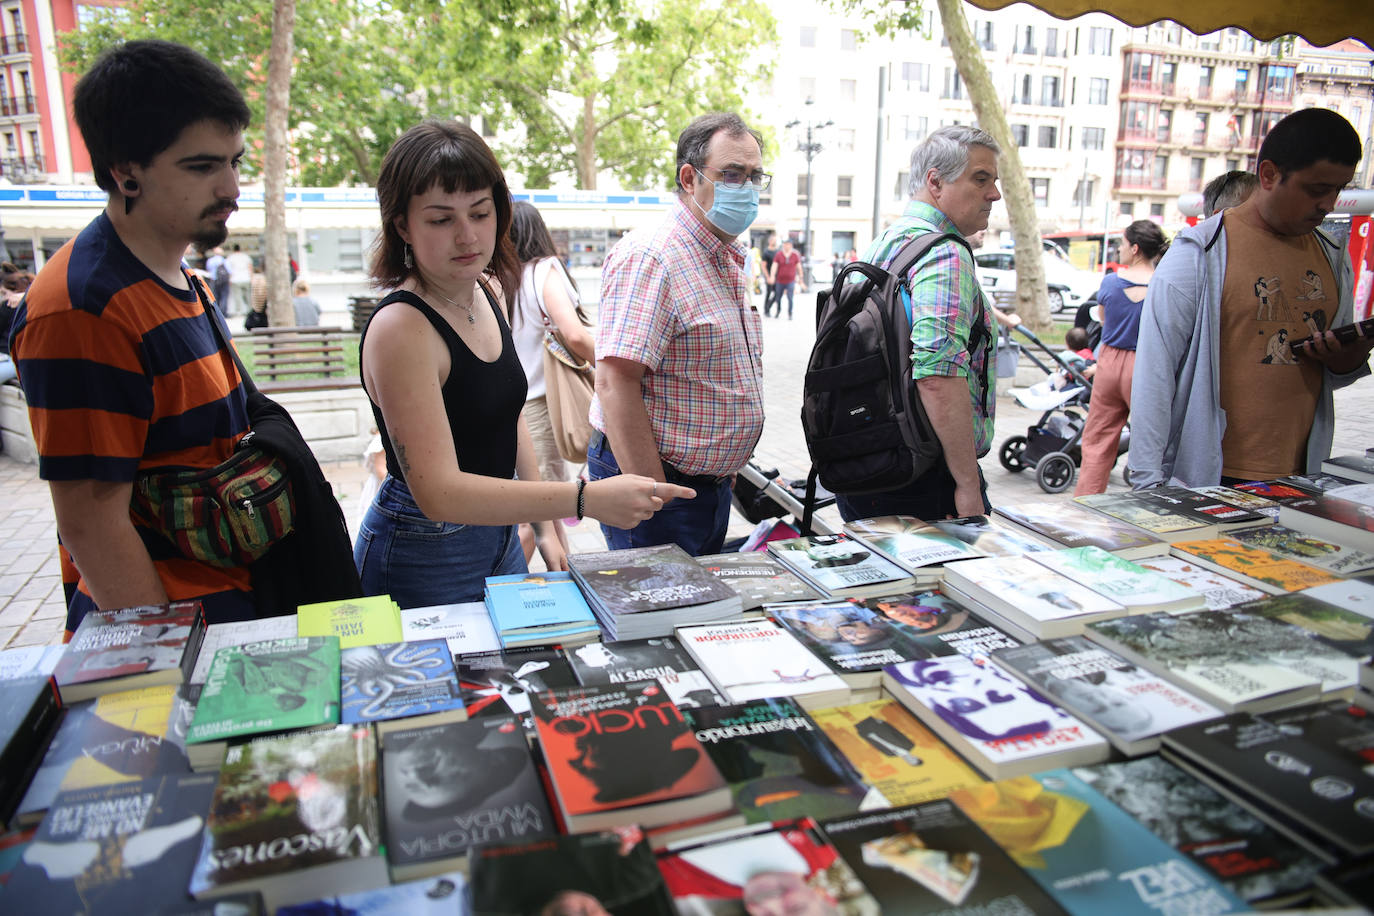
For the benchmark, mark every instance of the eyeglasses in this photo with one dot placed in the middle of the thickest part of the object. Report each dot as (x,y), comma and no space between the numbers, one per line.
(734,178)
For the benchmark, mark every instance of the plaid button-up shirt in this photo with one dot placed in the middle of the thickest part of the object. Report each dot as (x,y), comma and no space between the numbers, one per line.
(673,299)
(944,301)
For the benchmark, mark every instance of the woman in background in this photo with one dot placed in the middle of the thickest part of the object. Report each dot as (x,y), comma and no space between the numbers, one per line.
(1120,297)
(548,297)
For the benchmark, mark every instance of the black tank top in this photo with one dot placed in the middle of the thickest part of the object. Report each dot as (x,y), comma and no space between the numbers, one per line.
(482,400)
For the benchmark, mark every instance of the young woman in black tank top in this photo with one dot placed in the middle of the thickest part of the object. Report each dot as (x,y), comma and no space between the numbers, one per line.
(446,387)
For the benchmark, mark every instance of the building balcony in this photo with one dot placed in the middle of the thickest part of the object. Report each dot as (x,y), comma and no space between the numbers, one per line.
(12,105)
(1242,144)
(1133,182)
(17,43)
(1202,93)
(1144,87)
(21,168)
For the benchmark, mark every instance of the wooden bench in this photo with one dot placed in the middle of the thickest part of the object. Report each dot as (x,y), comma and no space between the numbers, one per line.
(300,358)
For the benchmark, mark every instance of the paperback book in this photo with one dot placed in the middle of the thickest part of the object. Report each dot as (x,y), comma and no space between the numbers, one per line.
(539,609)
(753,659)
(1087,853)
(354,621)
(1070,525)
(466,627)
(1218,591)
(661,659)
(1222,514)
(930,858)
(840,566)
(238,633)
(854,641)
(1343,630)
(1251,565)
(998,724)
(1288,544)
(1030,595)
(501,683)
(1359,468)
(294,817)
(938,625)
(440,895)
(759,578)
(647,591)
(1275,491)
(919,548)
(1315,483)
(589,734)
(29,661)
(30,713)
(1350,594)
(1244,499)
(1130,706)
(1254,862)
(1341,514)
(984,535)
(446,788)
(1138,589)
(1160,519)
(778,763)
(894,753)
(133,647)
(399,685)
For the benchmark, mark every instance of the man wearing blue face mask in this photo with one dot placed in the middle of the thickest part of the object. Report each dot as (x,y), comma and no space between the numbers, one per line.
(679,393)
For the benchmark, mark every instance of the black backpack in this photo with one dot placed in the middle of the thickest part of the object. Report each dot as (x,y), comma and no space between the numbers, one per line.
(863,420)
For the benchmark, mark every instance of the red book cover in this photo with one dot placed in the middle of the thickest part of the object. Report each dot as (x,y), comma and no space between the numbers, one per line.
(110,644)
(614,746)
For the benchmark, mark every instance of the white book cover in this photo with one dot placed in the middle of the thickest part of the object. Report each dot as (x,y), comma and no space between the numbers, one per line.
(1218,590)
(1351,594)
(1120,580)
(467,627)
(29,661)
(239,633)
(1031,588)
(910,541)
(838,563)
(753,659)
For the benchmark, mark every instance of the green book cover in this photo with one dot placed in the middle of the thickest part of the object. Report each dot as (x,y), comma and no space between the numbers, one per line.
(269,686)
(355,621)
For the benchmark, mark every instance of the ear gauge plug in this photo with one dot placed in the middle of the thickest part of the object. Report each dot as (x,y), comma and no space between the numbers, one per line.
(131,185)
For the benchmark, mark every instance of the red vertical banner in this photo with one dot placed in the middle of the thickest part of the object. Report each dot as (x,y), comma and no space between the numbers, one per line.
(1362,259)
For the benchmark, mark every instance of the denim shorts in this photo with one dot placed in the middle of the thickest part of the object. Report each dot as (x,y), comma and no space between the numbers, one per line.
(420,562)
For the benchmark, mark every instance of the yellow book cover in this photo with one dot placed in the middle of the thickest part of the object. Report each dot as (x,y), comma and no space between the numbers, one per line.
(894,752)
(122,737)
(356,621)
(1254,565)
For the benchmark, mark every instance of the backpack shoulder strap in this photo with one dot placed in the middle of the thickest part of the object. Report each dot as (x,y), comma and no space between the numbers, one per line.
(917,247)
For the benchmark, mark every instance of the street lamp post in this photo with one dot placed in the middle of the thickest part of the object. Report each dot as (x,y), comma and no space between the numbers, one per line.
(810,148)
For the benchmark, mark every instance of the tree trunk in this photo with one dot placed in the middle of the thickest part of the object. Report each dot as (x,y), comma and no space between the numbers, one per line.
(278,99)
(1032,291)
(586,146)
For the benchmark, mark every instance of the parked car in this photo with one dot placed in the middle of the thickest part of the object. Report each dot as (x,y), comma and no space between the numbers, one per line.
(1069,286)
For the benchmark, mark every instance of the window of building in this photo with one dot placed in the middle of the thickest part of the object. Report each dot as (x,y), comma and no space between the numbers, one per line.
(1140,67)
(1083,194)
(844,139)
(849,39)
(916,76)
(1168,75)
(1165,125)
(1051,42)
(1138,118)
(916,126)
(9,143)
(24,81)
(1040,187)
(1232,165)
(1049,91)
(982,33)
(1025,40)
(849,91)
(1127,208)
(1094,137)
(1173,33)
(1204,79)
(844,191)
(1157,211)
(841,242)
(1356,113)
(1201,122)
(1021,89)
(900,191)
(1097,91)
(808,36)
(1049,136)
(803,190)
(1020,134)
(1277,81)
(1161,170)
(1210,42)
(1100,41)
(954,84)
(807,88)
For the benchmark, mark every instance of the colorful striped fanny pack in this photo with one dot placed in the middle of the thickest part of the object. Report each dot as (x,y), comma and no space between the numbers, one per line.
(228,515)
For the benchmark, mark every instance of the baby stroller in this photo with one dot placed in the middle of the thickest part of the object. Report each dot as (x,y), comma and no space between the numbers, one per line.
(761,495)
(1051,446)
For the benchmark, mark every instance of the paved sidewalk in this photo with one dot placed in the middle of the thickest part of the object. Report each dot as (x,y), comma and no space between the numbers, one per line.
(31,600)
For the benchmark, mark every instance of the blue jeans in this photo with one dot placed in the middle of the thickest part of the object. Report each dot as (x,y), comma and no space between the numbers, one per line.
(786,288)
(420,562)
(696,525)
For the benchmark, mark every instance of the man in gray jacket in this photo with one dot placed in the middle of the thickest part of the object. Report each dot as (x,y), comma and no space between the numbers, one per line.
(1218,394)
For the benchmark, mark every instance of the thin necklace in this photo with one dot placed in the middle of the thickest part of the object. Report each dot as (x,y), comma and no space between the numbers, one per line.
(467,308)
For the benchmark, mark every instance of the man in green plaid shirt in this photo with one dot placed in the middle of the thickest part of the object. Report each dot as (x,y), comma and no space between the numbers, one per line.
(953,187)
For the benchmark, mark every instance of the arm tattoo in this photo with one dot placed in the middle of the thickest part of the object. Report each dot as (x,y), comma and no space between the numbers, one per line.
(402,460)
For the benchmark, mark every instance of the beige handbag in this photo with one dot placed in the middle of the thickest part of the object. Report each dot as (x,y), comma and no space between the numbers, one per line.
(568,385)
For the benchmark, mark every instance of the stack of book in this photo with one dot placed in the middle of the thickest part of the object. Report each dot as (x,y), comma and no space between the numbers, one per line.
(647,591)
(919,548)
(1070,525)
(132,647)
(841,566)
(539,609)
(1342,514)
(758,578)
(353,621)
(399,685)
(1173,513)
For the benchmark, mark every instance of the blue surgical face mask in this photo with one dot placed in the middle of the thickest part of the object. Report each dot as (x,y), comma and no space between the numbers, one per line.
(734,209)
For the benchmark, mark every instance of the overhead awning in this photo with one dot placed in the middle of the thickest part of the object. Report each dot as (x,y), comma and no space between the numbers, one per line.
(1321,22)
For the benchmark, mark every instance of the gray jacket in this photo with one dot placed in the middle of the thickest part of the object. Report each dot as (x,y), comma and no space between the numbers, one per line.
(1176,416)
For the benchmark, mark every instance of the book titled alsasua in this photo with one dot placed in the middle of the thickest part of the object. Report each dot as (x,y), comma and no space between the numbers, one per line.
(264,687)
(930,858)
(854,641)
(1342,514)
(122,850)
(647,591)
(624,754)
(1071,525)
(1308,767)
(660,658)
(1138,589)
(1219,656)
(752,659)
(1030,596)
(399,685)
(1126,703)
(539,609)
(1087,853)
(132,647)
(1000,725)
(919,548)
(758,577)
(840,566)
(296,817)
(446,788)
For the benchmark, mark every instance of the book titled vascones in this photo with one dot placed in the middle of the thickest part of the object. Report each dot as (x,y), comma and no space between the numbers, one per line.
(132,647)
(264,687)
(1289,544)
(1069,525)
(1341,514)
(1307,767)
(1130,706)
(236,633)
(1222,657)
(854,641)
(354,621)
(660,658)
(1086,852)
(1218,591)
(399,685)
(467,627)
(1254,861)
(539,609)
(647,591)
(758,578)
(30,714)
(1028,598)
(920,548)
(1020,733)
(1252,566)
(124,850)
(1138,589)
(295,817)
(446,788)
(752,659)
(841,566)
(931,858)
(894,753)
(624,754)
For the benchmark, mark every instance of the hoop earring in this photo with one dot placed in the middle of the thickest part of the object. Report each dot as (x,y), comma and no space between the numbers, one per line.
(408,258)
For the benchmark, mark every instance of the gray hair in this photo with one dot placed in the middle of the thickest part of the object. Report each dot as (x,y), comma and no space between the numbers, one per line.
(1230,189)
(694,143)
(946,151)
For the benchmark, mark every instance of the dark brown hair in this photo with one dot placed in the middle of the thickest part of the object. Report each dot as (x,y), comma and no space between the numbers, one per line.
(454,157)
